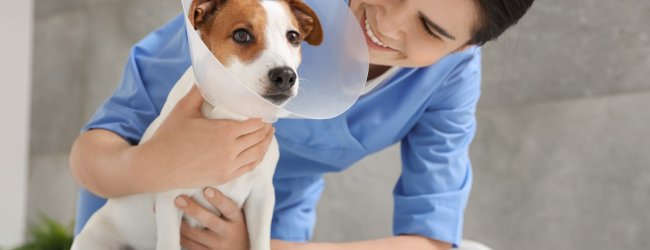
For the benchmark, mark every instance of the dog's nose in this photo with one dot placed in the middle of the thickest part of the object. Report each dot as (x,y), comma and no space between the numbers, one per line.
(282,78)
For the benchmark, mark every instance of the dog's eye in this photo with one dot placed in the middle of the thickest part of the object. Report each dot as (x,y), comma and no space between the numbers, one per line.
(242,36)
(293,38)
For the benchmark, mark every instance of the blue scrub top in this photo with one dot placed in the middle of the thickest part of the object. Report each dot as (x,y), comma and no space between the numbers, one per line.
(429,110)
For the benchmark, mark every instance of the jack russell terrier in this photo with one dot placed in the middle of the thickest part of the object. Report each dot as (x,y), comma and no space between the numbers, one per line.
(258,41)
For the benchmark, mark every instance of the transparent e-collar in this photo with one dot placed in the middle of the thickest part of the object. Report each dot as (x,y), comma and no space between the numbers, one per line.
(332,75)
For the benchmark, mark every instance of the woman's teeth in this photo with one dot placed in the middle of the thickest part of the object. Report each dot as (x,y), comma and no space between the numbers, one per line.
(372,35)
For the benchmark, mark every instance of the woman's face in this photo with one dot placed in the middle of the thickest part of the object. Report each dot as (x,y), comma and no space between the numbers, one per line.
(414,33)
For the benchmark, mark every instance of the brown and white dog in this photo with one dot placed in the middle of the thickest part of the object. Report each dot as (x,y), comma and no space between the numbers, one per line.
(258,41)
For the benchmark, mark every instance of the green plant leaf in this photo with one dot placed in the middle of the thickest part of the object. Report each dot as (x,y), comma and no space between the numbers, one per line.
(49,235)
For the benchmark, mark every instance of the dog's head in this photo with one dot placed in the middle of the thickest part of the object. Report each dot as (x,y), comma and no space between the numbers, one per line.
(258,40)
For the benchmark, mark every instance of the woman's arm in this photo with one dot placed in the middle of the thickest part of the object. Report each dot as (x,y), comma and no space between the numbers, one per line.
(103,153)
(186,151)
(228,231)
(391,243)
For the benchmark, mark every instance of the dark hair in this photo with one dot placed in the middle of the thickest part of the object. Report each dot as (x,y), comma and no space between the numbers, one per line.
(495,17)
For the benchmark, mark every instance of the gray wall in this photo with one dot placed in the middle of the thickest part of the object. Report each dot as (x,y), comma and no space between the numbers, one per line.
(561,157)
(80,48)
(15,101)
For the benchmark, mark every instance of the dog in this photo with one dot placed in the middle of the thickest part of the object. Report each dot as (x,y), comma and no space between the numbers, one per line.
(259,42)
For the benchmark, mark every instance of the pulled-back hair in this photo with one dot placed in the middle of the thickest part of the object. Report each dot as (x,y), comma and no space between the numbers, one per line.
(495,17)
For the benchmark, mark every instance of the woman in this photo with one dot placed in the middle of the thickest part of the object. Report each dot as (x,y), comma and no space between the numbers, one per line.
(422,90)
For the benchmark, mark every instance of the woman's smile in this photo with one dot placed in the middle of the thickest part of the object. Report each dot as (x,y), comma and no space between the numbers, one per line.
(372,39)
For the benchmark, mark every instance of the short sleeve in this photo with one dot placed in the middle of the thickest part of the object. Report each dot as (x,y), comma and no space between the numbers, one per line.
(432,191)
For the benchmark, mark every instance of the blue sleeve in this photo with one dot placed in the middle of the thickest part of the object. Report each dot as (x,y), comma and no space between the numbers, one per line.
(154,66)
(432,191)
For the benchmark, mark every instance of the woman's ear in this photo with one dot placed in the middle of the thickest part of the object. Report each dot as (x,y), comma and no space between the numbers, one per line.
(202,10)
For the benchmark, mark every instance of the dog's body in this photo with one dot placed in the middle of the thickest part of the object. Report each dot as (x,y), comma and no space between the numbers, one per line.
(261,31)
(130,221)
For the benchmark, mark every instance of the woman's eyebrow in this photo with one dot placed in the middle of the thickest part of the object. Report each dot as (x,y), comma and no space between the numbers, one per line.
(436,27)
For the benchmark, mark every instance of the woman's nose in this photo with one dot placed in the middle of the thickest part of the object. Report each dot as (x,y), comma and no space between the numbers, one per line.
(391,21)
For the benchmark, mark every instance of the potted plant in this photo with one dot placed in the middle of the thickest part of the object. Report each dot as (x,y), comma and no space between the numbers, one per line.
(49,235)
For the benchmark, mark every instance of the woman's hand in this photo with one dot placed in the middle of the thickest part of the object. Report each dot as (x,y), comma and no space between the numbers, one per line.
(189,151)
(227,231)
(285,245)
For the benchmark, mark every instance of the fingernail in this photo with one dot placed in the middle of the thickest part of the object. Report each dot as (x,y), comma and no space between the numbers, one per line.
(209,192)
(181,202)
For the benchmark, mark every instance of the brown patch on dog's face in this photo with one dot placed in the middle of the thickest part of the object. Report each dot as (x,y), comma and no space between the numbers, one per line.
(230,28)
(307,21)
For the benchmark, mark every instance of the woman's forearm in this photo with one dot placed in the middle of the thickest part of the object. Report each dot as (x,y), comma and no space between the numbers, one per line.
(102,162)
(392,243)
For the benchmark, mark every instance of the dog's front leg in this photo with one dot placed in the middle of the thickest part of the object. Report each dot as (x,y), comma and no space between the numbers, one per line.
(168,222)
(258,210)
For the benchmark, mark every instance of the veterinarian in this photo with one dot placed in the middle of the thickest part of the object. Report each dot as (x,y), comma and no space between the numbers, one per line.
(422,90)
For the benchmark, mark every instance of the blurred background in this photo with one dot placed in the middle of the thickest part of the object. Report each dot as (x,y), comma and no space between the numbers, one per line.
(561,159)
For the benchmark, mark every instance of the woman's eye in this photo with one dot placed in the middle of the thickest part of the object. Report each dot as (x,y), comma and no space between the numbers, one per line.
(242,36)
(293,38)
(429,31)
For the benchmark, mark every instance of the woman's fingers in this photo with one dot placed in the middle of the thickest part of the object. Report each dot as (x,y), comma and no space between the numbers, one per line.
(263,148)
(192,101)
(255,152)
(238,129)
(253,156)
(229,209)
(246,141)
(201,237)
(267,141)
(190,244)
(250,126)
(226,232)
(204,216)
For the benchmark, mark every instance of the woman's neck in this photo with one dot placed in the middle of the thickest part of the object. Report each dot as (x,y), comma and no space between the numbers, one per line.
(376,70)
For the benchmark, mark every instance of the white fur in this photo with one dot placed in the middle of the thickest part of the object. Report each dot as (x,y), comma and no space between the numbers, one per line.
(130,220)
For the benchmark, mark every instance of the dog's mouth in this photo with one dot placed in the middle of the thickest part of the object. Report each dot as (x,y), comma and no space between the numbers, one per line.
(278,98)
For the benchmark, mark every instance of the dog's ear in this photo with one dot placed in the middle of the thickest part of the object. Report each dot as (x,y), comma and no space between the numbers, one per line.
(202,10)
(309,23)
